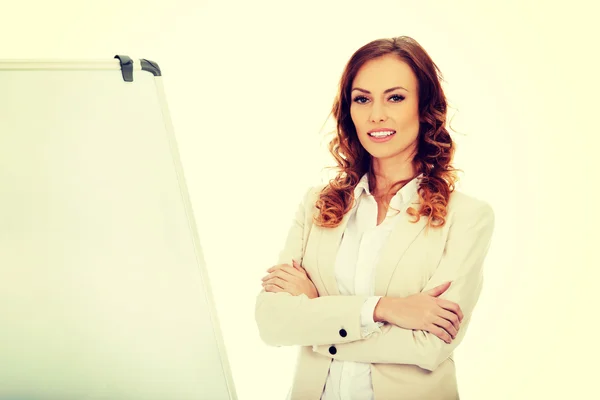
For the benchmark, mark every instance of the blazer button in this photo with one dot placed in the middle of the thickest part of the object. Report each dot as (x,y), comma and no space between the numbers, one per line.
(343,333)
(332,350)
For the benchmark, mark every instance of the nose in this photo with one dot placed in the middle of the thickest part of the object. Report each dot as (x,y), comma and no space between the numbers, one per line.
(377,113)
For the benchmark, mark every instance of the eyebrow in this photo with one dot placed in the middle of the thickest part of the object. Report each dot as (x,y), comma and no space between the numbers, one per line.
(386,91)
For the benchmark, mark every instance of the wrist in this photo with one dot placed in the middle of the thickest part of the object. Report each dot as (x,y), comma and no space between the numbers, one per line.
(379,313)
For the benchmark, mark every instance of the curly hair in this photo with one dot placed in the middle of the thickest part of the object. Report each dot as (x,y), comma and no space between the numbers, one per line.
(435,147)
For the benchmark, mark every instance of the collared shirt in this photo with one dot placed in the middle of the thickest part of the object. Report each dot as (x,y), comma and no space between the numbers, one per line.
(357,257)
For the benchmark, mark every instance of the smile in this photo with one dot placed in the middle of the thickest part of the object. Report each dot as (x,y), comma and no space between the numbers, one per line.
(380,134)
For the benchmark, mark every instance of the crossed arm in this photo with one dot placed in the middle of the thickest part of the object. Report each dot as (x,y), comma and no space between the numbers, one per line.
(284,319)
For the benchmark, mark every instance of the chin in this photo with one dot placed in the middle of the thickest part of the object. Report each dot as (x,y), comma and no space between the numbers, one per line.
(389,150)
(380,155)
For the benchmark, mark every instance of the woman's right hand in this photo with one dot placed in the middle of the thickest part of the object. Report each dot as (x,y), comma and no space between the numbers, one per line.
(422,311)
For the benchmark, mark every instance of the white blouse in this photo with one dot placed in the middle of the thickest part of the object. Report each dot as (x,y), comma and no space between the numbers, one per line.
(355,264)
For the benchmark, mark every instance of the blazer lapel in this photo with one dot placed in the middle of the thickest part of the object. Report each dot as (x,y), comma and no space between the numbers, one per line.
(401,237)
(329,244)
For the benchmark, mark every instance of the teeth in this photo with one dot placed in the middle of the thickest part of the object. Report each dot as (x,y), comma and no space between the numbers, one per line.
(382,133)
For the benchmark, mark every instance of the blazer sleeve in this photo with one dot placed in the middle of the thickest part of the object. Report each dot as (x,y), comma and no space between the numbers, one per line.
(285,320)
(467,245)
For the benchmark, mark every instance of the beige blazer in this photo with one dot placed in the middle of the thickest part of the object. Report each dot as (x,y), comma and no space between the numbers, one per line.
(405,364)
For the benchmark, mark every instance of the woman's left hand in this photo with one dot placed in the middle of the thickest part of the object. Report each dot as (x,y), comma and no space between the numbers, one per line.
(292,279)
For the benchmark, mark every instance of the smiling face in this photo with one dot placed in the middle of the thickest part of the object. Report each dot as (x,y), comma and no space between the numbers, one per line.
(385,108)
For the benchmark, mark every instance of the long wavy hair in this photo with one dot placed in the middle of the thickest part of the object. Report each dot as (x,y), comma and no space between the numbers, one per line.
(435,147)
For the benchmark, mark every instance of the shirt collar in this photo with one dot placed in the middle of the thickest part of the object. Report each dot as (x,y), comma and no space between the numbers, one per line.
(403,195)
(363,185)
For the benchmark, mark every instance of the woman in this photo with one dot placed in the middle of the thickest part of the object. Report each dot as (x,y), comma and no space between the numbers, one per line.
(382,267)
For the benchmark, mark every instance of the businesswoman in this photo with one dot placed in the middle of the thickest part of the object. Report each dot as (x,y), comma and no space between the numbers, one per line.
(382,267)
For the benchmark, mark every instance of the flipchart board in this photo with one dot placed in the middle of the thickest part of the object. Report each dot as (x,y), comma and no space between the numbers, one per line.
(103,288)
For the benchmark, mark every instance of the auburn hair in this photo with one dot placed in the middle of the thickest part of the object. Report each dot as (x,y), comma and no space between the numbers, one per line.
(435,147)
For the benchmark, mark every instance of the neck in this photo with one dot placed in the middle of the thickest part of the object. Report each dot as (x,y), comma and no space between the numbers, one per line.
(389,171)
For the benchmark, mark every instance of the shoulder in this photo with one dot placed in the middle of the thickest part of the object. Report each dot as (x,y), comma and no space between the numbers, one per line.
(311,195)
(468,208)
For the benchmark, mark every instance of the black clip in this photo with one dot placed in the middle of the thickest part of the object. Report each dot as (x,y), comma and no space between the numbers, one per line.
(150,66)
(126,67)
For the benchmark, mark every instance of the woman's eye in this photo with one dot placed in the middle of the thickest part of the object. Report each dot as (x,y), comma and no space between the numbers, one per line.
(396,98)
(360,99)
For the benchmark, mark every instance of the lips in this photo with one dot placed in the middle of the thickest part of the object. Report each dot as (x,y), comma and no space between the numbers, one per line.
(381,133)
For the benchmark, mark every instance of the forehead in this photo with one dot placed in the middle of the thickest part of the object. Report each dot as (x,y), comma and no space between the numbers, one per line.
(384,72)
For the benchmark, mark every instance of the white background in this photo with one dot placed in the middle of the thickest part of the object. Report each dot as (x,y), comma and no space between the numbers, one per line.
(250,85)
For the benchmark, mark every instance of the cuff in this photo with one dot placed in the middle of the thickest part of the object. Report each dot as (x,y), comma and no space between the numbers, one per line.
(367,324)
